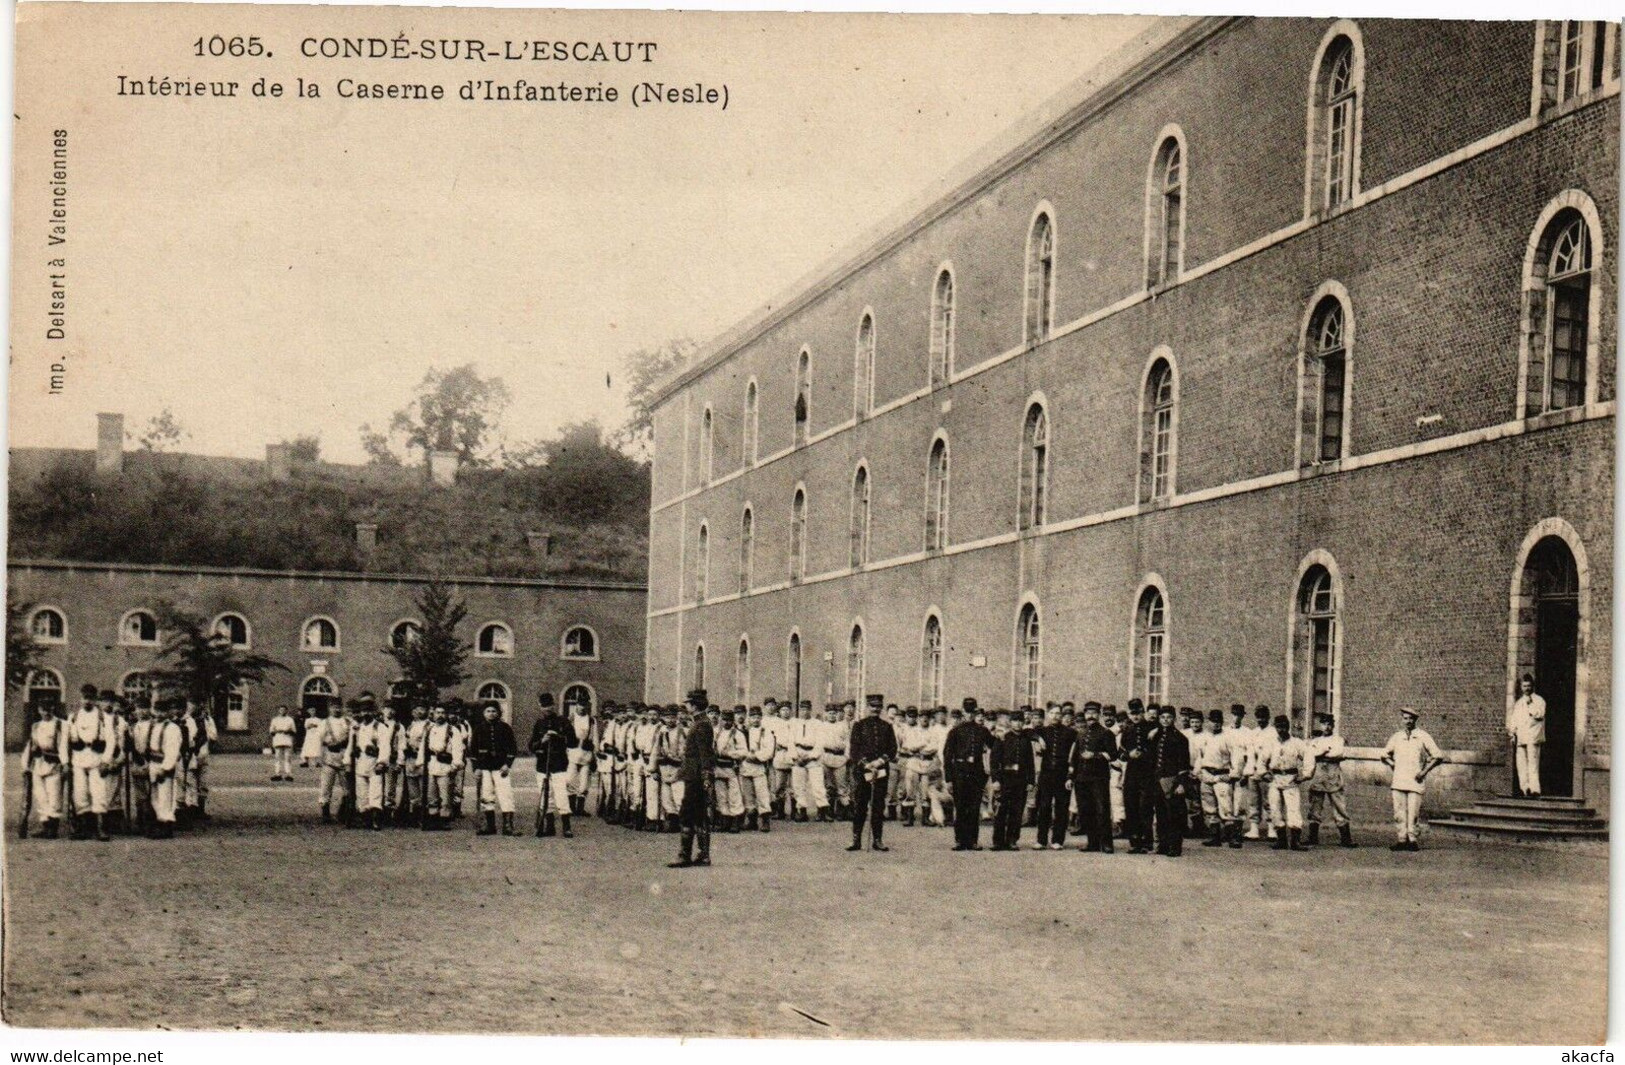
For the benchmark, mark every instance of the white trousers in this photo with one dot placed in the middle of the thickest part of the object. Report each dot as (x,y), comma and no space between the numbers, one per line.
(282,761)
(1407,807)
(91,790)
(756,793)
(580,775)
(730,795)
(1286,803)
(369,785)
(48,795)
(163,797)
(1528,760)
(494,789)
(334,779)
(553,792)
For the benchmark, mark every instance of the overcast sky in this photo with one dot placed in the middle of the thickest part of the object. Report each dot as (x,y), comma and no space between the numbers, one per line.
(271,269)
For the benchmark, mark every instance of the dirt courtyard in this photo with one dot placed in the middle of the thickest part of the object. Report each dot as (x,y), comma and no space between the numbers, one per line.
(265,919)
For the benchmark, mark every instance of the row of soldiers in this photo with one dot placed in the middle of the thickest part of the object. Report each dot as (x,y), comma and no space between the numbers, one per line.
(115,764)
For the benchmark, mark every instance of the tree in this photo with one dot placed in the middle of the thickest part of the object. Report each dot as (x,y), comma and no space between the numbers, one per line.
(454,410)
(306,449)
(376,445)
(646,370)
(202,663)
(432,660)
(22,650)
(162,432)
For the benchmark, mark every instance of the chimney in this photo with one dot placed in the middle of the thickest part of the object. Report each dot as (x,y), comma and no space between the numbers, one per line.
(366,536)
(539,542)
(443,467)
(110,444)
(278,462)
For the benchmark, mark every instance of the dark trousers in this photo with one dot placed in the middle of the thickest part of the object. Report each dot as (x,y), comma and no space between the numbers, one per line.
(694,817)
(1139,800)
(868,796)
(1095,807)
(1012,803)
(1053,799)
(967,793)
(1170,817)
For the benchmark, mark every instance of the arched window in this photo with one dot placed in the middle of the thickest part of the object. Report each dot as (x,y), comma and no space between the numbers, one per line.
(931,663)
(237,708)
(317,693)
(1158,426)
(747,549)
(1316,648)
(48,625)
(1575,58)
(1334,131)
(936,496)
(405,633)
(749,430)
(494,641)
(855,676)
(707,426)
(43,692)
(863,373)
(1568,298)
(798,535)
(1034,467)
(792,669)
(580,642)
(320,634)
(858,531)
(1325,382)
(942,328)
(581,695)
(742,673)
(136,688)
(1166,214)
(699,665)
(803,411)
(1151,647)
(494,691)
(1029,657)
(138,629)
(702,563)
(233,628)
(1039,315)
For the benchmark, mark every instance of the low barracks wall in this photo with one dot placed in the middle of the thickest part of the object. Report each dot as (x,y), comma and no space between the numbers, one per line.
(1426,519)
(95,597)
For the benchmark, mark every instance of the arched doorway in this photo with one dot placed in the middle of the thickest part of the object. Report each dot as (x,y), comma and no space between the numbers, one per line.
(1551,587)
(317,696)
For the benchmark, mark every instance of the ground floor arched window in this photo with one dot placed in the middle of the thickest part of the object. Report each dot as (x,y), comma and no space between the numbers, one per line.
(1548,633)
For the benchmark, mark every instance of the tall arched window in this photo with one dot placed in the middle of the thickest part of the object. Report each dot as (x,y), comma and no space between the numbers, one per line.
(1335,108)
(1158,427)
(1166,214)
(1151,647)
(748,431)
(855,676)
(1034,467)
(1029,657)
(936,496)
(931,663)
(699,665)
(798,535)
(792,669)
(747,549)
(942,327)
(1325,382)
(1039,314)
(702,562)
(858,533)
(1558,344)
(706,442)
(863,367)
(742,672)
(1316,638)
(803,411)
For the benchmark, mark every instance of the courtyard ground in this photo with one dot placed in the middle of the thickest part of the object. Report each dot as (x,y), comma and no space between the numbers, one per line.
(267,920)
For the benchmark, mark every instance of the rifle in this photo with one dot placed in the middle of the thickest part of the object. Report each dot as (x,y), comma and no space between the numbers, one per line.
(547,778)
(28,790)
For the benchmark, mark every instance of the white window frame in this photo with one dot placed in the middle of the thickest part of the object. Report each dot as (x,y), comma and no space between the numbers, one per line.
(479,637)
(248,627)
(938,489)
(304,631)
(1037,297)
(564,644)
(865,347)
(944,312)
(858,524)
(62,616)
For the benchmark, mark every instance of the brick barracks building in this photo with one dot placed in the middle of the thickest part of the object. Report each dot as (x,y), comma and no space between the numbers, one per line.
(1273,364)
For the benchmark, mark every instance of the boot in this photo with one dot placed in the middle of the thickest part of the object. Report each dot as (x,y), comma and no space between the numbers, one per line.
(166,830)
(1215,838)
(101,828)
(1235,835)
(875,844)
(1296,844)
(327,818)
(564,820)
(673,824)
(736,823)
(685,853)
(1345,836)
(750,821)
(549,826)
(857,841)
(908,817)
(507,825)
(540,824)
(767,822)
(202,808)
(376,820)
(48,830)
(490,826)
(1314,833)
(426,822)
(1280,841)
(891,811)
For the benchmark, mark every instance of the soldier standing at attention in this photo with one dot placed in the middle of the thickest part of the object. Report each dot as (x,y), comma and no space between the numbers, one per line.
(140,781)
(694,772)
(806,773)
(873,753)
(90,745)
(443,753)
(965,754)
(581,755)
(603,745)
(1137,780)
(283,728)
(1054,779)
(733,752)
(1289,764)
(936,781)
(1014,767)
(911,754)
(1412,755)
(44,759)
(761,748)
(1263,738)
(413,801)
(1212,756)
(163,761)
(776,717)
(669,759)
(551,740)
(837,775)
(369,761)
(1326,786)
(1170,772)
(335,734)
(493,754)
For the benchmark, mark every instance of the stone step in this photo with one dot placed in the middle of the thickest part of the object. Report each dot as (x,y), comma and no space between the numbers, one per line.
(1521,829)
(1525,813)
(1555,802)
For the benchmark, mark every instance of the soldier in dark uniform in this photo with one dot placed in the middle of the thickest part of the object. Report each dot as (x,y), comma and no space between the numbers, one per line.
(1170,766)
(1092,760)
(1138,783)
(1056,741)
(493,749)
(871,751)
(550,741)
(695,773)
(1013,770)
(965,761)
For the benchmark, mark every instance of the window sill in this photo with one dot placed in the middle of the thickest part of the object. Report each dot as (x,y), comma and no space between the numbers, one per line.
(319,650)
(579,658)
(493,654)
(136,643)
(1553,418)
(1322,468)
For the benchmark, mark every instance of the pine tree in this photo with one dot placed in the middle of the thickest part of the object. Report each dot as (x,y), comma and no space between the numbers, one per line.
(203,664)
(22,650)
(432,659)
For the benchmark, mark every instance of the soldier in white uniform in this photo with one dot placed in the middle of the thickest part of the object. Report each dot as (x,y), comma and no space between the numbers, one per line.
(806,772)
(282,730)
(832,756)
(442,755)
(91,740)
(668,761)
(733,752)
(164,752)
(911,744)
(335,739)
(1326,786)
(1526,725)
(140,780)
(44,760)
(603,745)
(201,733)
(459,778)
(1211,755)
(311,753)
(1288,763)
(582,755)
(777,718)
(645,791)
(761,748)
(370,746)
(1412,755)
(936,777)
(412,800)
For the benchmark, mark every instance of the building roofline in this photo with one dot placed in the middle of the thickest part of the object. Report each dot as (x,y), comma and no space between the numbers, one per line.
(1168,39)
(583,583)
